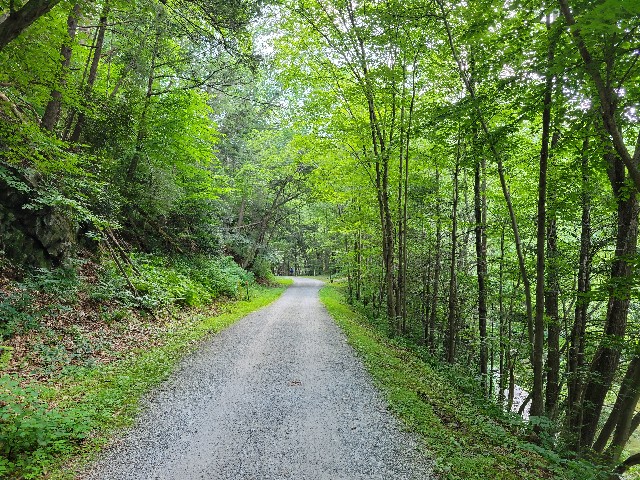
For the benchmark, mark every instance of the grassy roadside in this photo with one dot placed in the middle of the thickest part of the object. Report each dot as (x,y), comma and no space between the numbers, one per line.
(92,403)
(466,439)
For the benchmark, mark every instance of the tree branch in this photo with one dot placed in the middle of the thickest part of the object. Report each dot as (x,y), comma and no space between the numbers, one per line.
(605,96)
(20,19)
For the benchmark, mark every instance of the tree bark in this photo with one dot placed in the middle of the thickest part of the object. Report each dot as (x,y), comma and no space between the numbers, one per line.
(54,106)
(553,327)
(437,267)
(93,71)
(452,323)
(504,353)
(607,356)
(622,414)
(480,211)
(552,292)
(537,402)
(575,359)
(19,20)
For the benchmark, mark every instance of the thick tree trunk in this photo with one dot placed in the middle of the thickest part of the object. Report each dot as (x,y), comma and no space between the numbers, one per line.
(54,106)
(19,20)
(606,359)
(621,416)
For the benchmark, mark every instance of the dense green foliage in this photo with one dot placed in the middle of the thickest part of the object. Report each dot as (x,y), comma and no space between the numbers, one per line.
(470,168)
(468,437)
(35,438)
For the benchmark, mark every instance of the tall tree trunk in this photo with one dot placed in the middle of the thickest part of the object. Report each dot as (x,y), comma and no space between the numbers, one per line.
(437,267)
(93,71)
(575,361)
(400,291)
(358,272)
(54,106)
(607,356)
(405,193)
(553,328)
(552,292)
(537,402)
(480,211)
(503,345)
(452,323)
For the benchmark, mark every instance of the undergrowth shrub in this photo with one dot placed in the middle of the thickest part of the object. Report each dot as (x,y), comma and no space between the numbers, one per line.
(22,308)
(161,282)
(18,313)
(220,276)
(31,432)
(262,268)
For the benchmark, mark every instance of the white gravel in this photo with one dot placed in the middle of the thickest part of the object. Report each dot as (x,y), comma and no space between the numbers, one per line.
(278,395)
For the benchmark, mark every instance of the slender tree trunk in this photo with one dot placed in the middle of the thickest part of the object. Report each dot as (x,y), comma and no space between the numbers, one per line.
(359,265)
(552,292)
(575,359)
(54,106)
(405,194)
(93,71)
(503,345)
(433,311)
(537,402)
(426,300)
(452,326)
(400,293)
(553,327)
(480,210)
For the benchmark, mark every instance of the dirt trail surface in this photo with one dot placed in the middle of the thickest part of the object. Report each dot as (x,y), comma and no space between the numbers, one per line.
(278,395)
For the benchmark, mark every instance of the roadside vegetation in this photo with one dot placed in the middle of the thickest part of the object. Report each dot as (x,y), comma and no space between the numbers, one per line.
(468,437)
(76,362)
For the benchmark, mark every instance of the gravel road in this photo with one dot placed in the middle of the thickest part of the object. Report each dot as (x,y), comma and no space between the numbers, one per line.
(278,395)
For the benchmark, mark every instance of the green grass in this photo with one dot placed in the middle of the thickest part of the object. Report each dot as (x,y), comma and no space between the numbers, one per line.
(435,401)
(106,398)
